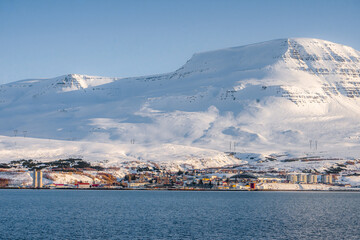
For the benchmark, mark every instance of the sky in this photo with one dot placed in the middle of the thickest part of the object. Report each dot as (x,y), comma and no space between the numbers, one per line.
(45,39)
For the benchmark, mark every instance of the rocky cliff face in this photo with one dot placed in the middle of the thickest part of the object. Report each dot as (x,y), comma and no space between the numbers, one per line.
(336,65)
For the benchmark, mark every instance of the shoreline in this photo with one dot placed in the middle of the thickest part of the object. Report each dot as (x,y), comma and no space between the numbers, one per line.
(183,190)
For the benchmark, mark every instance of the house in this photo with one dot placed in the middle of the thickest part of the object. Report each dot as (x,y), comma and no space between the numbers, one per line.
(82,185)
(137,184)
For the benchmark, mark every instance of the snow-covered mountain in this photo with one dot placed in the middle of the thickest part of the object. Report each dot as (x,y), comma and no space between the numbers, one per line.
(295,96)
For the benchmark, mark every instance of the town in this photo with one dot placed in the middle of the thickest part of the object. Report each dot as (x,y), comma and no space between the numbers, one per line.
(79,174)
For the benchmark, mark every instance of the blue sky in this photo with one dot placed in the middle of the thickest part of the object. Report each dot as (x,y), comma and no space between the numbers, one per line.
(43,39)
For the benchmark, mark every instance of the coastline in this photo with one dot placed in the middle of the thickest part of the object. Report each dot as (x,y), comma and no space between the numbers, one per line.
(184,190)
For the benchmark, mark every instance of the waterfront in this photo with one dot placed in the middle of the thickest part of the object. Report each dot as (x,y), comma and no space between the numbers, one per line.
(66,214)
(77,173)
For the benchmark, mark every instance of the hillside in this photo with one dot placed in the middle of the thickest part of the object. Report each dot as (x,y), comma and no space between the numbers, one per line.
(293,97)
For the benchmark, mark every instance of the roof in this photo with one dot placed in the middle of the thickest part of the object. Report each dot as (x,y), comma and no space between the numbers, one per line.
(243,176)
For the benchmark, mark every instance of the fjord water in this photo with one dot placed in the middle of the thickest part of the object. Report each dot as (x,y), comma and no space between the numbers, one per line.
(69,214)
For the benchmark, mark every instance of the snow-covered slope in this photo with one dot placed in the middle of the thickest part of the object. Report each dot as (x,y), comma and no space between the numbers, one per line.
(296,96)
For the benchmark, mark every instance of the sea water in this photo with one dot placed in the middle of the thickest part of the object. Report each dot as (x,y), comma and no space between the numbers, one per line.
(96,214)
